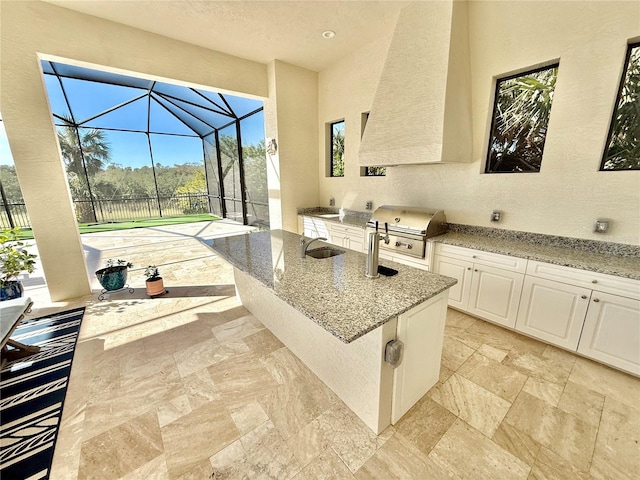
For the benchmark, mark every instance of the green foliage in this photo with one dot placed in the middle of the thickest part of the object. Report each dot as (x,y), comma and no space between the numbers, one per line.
(112,265)
(14,259)
(337,149)
(623,150)
(521,117)
(10,184)
(375,171)
(152,272)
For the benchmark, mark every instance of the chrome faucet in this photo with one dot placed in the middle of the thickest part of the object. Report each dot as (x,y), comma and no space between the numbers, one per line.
(304,245)
(373,251)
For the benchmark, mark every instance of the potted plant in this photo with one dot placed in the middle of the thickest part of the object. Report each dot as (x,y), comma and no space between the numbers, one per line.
(14,259)
(155,284)
(114,275)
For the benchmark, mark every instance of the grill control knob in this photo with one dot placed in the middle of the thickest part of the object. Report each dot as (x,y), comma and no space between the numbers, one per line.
(410,246)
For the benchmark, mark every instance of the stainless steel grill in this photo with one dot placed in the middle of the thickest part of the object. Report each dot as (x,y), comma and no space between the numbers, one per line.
(408,227)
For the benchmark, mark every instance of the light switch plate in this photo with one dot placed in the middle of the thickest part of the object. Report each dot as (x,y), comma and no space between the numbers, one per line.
(496,215)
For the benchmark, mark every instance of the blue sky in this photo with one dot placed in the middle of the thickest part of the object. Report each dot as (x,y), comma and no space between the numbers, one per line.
(88,99)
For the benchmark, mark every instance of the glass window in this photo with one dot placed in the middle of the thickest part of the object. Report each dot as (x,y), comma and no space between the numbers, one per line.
(521,112)
(337,149)
(623,144)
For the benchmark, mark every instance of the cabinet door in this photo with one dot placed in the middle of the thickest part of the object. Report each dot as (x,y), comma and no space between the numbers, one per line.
(460,270)
(552,311)
(495,294)
(611,332)
(355,243)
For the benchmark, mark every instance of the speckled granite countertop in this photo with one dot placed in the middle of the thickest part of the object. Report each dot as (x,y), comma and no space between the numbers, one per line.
(619,265)
(350,218)
(333,292)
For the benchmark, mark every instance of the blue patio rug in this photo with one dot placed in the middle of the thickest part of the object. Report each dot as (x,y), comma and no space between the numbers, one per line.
(32,392)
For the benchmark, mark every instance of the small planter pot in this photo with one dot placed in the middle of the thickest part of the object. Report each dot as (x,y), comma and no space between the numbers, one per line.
(112,278)
(155,287)
(13,290)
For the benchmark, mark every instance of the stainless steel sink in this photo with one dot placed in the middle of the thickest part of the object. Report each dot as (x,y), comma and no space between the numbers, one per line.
(324,252)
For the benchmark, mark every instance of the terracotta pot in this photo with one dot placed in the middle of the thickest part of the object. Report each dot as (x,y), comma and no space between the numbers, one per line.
(155,287)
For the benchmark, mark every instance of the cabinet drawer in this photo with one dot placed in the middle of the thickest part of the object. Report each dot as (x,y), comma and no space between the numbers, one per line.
(506,262)
(601,282)
(340,229)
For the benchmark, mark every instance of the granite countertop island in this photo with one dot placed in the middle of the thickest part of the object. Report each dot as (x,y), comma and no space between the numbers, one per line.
(333,292)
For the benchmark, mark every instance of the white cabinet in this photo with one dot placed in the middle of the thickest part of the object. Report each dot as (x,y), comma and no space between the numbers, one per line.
(347,237)
(313,227)
(611,332)
(552,311)
(596,314)
(489,284)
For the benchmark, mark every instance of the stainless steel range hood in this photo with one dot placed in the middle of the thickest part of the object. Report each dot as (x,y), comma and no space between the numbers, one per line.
(421,112)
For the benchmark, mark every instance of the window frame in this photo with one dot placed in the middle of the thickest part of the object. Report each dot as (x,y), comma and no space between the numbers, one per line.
(498,81)
(330,146)
(616,105)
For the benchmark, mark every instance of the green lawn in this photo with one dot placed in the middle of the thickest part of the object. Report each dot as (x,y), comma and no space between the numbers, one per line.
(26,233)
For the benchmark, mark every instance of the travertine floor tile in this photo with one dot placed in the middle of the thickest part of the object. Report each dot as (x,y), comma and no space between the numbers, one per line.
(517,443)
(204,354)
(262,342)
(582,402)
(553,428)
(248,417)
(197,436)
(491,375)
(327,466)
(536,366)
(472,403)
(199,388)
(467,453)
(617,452)
(241,380)
(550,466)
(261,453)
(121,450)
(425,424)
(237,329)
(399,459)
(544,390)
(348,436)
(454,353)
(618,385)
(173,409)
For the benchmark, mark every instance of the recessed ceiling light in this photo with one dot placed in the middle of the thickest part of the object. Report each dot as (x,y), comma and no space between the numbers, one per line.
(328,34)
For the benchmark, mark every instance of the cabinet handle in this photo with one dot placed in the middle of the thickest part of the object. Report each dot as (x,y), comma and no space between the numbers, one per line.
(473,256)
(596,300)
(594,281)
(475,269)
(584,297)
(468,268)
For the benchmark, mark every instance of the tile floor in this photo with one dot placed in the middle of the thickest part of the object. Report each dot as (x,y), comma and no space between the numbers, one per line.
(191,386)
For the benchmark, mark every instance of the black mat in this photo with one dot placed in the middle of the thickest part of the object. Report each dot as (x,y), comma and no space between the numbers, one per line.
(32,392)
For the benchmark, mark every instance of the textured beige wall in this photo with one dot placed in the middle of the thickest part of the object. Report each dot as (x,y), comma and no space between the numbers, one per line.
(295,96)
(589,39)
(32,28)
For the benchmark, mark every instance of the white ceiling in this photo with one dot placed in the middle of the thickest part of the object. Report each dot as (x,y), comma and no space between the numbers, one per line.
(262,31)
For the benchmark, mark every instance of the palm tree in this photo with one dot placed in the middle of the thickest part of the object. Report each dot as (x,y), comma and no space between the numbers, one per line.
(523,106)
(623,151)
(84,154)
(89,144)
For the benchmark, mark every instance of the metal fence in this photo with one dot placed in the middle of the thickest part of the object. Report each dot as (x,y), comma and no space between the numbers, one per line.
(117,209)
